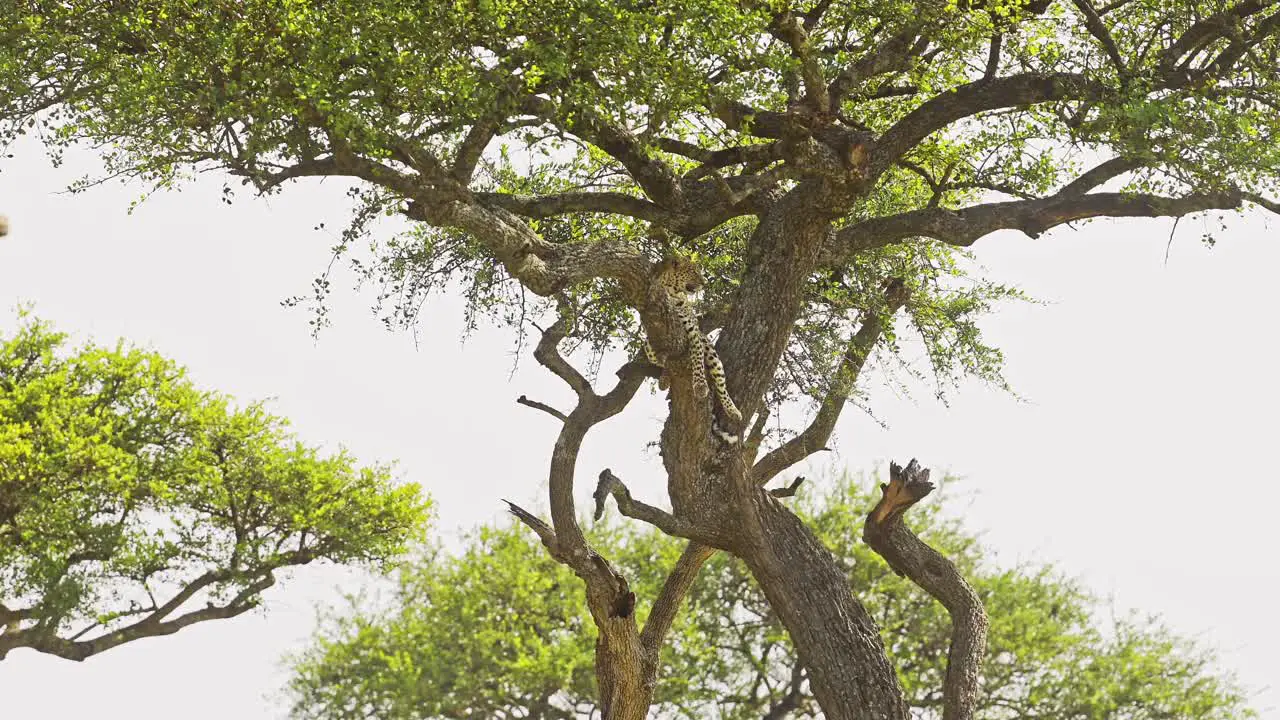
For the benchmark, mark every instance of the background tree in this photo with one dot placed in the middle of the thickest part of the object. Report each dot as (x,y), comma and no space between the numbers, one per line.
(133,504)
(498,631)
(818,161)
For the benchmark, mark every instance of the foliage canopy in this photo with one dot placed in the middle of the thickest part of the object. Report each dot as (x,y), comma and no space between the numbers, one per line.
(133,504)
(823,163)
(499,630)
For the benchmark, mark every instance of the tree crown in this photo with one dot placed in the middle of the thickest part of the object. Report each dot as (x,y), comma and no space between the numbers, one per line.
(127,495)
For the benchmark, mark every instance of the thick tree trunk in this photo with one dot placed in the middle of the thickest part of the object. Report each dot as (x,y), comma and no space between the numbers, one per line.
(620,676)
(836,640)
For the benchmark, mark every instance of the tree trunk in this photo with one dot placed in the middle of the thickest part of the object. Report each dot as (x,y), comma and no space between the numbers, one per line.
(836,640)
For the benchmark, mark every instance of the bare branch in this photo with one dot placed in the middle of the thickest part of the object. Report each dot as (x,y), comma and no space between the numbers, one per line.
(534,523)
(674,590)
(472,148)
(524,400)
(548,354)
(1100,174)
(609,484)
(755,436)
(790,490)
(909,556)
(993,56)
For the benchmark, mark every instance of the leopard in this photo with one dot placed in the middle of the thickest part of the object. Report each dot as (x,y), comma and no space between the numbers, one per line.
(677,278)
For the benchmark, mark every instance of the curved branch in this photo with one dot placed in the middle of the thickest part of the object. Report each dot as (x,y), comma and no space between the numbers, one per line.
(908,555)
(548,355)
(1211,28)
(977,97)
(152,625)
(610,484)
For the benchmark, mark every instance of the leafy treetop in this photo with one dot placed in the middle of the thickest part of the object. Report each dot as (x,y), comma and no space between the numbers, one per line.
(133,504)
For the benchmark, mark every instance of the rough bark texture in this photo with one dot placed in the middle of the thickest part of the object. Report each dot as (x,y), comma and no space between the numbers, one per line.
(909,556)
(836,639)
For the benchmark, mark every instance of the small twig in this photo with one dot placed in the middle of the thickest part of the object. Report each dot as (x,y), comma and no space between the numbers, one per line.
(788,491)
(1169,245)
(524,400)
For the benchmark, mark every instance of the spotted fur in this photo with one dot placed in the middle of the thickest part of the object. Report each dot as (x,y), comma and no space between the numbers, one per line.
(678,278)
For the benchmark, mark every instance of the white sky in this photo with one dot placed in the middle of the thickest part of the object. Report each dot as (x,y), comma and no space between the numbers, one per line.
(1141,463)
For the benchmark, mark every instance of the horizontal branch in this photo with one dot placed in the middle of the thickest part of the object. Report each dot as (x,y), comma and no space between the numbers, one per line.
(543,267)
(153,625)
(523,400)
(545,206)
(1033,217)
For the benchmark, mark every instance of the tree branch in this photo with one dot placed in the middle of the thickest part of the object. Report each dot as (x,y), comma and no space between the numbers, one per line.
(674,590)
(815,436)
(523,400)
(1209,29)
(1098,29)
(885,532)
(1033,217)
(974,98)
(152,625)
(787,28)
(545,206)
(790,702)
(790,490)
(887,56)
(547,354)
(610,484)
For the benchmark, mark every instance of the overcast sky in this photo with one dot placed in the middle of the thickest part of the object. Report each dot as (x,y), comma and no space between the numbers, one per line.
(1140,461)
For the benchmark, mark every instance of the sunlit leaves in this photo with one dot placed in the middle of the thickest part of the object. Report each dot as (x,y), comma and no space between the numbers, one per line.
(120,482)
(501,630)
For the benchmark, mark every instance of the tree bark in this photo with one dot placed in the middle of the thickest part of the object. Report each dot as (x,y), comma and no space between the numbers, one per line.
(835,637)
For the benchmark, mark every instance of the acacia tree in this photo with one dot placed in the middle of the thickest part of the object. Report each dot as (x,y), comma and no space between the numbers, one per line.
(498,631)
(133,504)
(820,162)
